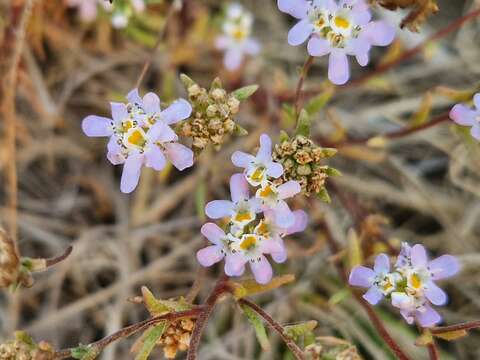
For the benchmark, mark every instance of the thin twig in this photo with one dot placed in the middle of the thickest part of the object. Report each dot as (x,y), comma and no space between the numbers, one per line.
(457,327)
(174,8)
(220,288)
(133,329)
(298,93)
(433,351)
(58,259)
(297,352)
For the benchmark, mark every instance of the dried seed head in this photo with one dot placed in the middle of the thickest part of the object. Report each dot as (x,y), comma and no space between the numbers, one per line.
(176,337)
(23,348)
(302,161)
(9,261)
(212,121)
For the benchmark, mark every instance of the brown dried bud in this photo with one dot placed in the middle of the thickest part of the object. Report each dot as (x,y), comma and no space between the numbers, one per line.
(176,337)
(212,122)
(420,10)
(302,162)
(23,348)
(9,261)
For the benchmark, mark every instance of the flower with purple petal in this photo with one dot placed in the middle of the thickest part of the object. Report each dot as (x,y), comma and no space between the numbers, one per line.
(270,229)
(258,168)
(273,197)
(241,210)
(336,28)
(140,135)
(465,116)
(236,39)
(411,285)
(379,281)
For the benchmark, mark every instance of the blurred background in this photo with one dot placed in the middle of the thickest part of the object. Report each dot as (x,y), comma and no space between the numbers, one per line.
(422,188)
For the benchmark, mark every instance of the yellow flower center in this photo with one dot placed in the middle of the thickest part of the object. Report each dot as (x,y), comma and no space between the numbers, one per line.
(248,242)
(137,138)
(258,174)
(266,191)
(239,34)
(416,281)
(127,125)
(243,216)
(320,22)
(388,285)
(262,229)
(341,22)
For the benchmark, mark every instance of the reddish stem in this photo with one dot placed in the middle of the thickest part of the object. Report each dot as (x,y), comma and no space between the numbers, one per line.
(297,352)
(298,93)
(58,259)
(433,351)
(457,327)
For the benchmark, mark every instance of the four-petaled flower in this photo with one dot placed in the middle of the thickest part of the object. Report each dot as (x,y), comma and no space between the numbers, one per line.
(236,39)
(258,168)
(465,116)
(140,135)
(411,285)
(338,28)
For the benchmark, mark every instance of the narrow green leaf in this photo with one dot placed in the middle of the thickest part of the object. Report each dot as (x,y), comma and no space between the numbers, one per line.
(257,324)
(245,92)
(250,287)
(150,338)
(186,80)
(295,331)
(200,199)
(333,172)
(239,131)
(324,196)
(318,103)
(283,136)
(303,124)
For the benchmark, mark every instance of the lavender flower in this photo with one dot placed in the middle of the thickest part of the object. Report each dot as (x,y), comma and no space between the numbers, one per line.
(236,39)
(242,209)
(379,281)
(258,168)
(273,198)
(465,116)
(411,285)
(338,28)
(255,229)
(140,135)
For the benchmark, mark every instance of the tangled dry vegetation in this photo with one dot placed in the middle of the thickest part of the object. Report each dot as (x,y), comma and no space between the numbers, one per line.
(421,188)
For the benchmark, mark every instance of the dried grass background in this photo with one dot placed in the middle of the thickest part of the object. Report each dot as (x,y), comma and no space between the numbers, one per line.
(426,184)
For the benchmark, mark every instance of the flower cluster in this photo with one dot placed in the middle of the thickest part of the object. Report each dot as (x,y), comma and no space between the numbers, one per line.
(212,116)
(465,116)
(140,135)
(256,224)
(236,39)
(302,161)
(120,10)
(410,286)
(24,348)
(338,28)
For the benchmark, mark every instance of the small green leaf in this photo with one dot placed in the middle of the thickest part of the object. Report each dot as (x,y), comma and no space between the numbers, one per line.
(239,131)
(303,124)
(339,296)
(24,338)
(216,84)
(245,92)
(329,152)
(85,352)
(283,136)
(324,196)
(257,324)
(250,287)
(159,307)
(149,339)
(332,172)
(186,80)
(318,103)
(297,330)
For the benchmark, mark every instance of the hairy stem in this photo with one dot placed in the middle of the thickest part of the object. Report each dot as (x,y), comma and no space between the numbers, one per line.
(298,93)
(220,288)
(58,259)
(297,352)
(133,329)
